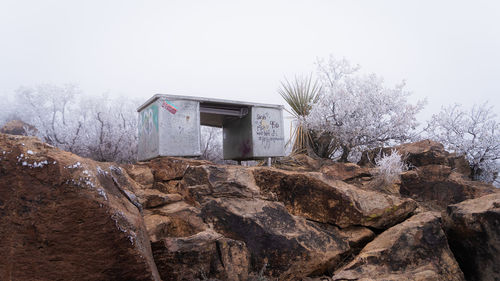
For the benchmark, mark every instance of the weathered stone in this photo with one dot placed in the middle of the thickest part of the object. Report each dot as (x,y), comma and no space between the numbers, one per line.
(204,255)
(313,197)
(172,186)
(172,168)
(141,173)
(290,246)
(63,217)
(437,186)
(416,249)
(357,236)
(219,181)
(418,154)
(18,127)
(308,162)
(473,230)
(344,171)
(175,220)
(152,198)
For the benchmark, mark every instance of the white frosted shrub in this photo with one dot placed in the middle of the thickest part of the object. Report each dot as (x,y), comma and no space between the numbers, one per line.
(389,167)
(474,133)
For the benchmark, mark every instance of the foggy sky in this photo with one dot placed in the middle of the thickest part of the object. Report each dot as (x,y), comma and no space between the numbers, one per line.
(447,51)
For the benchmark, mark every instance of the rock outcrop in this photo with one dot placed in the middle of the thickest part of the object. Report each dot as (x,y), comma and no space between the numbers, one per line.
(204,254)
(335,202)
(416,249)
(284,245)
(436,177)
(418,154)
(437,186)
(63,217)
(473,230)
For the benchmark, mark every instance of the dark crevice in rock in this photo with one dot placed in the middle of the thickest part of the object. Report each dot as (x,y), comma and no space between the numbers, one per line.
(169,180)
(219,253)
(129,196)
(322,223)
(362,175)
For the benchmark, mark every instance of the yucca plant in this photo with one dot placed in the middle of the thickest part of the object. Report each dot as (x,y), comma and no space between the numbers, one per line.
(299,95)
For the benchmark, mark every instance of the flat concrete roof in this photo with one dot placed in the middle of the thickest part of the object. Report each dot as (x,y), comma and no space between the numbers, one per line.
(222,102)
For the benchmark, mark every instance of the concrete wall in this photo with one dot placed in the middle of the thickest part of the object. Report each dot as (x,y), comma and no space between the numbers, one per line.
(237,138)
(260,134)
(268,134)
(172,128)
(180,132)
(148,132)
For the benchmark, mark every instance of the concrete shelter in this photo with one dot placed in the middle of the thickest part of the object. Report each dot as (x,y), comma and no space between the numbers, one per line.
(170,125)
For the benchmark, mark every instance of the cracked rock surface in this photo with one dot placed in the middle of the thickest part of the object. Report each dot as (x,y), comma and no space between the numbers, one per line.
(63,217)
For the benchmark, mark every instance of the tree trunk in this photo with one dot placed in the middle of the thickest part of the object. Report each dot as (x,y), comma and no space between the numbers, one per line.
(345,154)
(321,144)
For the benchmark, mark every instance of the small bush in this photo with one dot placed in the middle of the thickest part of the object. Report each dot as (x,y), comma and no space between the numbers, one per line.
(389,167)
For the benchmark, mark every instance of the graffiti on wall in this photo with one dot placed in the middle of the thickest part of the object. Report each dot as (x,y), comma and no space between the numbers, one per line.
(149,121)
(148,132)
(166,104)
(267,130)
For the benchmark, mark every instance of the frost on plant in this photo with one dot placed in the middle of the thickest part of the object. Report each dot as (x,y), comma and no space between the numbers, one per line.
(101,128)
(389,167)
(474,133)
(359,111)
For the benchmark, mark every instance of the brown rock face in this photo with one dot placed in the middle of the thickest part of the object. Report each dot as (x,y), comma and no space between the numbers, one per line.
(201,255)
(344,171)
(224,229)
(436,186)
(473,230)
(219,181)
(140,173)
(174,220)
(171,168)
(416,249)
(425,152)
(418,154)
(334,202)
(17,127)
(289,247)
(63,217)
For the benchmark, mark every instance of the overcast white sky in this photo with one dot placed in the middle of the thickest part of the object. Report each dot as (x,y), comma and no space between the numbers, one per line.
(447,51)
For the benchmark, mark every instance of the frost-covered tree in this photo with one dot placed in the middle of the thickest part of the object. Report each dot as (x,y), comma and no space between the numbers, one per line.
(211,144)
(358,111)
(110,128)
(55,112)
(474,133)
(101,128)
(7,110)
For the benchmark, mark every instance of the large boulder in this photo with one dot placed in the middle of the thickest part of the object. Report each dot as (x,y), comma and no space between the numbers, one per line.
(473,230)
(171,168)
(63,217)
(286,246)
(437,186)
(178,219)
(230,203)
(416,249)
(418,154)
(202,255)
(335,202)
(209,181)
(345,171)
